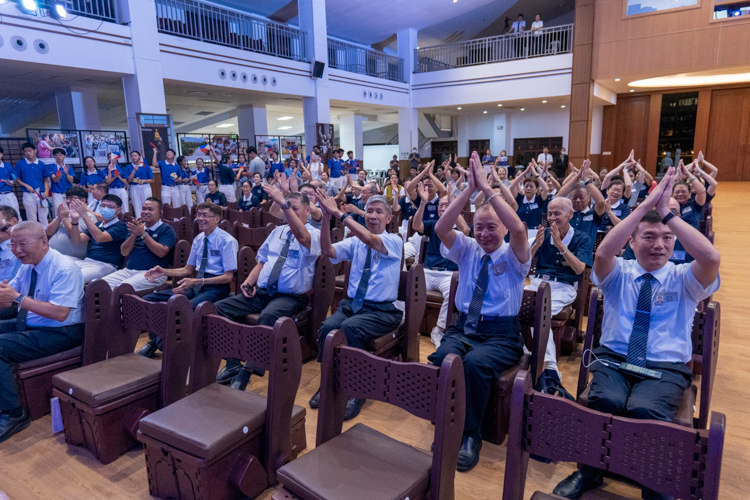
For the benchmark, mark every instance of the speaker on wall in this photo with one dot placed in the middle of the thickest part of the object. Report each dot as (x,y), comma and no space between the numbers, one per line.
(318,69)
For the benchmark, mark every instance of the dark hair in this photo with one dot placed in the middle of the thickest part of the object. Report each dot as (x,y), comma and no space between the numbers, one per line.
(251,149)
(8,212)
(578,186)
(59,151)
(257,173)
(172,150)
(27,145)
(617,181)
(179,159)
(76,191)
(210,206)
(350,152)
(2,151)
(299,196)
(114,199)
(681,183)
(520,15)
(102,186)
(532,180)
(137,152)
(651,217)
(155,200)
(247,182)
(86,158)
(214,181)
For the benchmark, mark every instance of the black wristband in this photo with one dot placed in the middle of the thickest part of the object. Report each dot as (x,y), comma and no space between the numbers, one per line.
(587,182)
(668,217)
(344,216)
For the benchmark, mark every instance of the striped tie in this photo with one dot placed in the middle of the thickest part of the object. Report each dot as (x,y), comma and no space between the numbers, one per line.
(638,343)
(477,298)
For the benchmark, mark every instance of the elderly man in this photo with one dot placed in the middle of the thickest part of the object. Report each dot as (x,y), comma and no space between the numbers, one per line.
(582,191)
(42,311)
(649,305)
(357,199)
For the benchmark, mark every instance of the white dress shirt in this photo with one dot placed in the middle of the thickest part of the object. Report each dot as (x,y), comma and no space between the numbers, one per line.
(299,268)
(544,159)
(385,269)
(9,263)
(222,252)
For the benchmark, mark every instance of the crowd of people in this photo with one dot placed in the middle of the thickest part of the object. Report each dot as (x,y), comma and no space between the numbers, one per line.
(654,265)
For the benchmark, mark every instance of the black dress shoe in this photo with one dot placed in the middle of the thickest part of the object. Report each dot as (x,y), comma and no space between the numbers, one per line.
(227,374)
(468,455)
(352,408)
(10,425)
(315,400)
(240,381)
(549,383)
(148,350)
(578,483)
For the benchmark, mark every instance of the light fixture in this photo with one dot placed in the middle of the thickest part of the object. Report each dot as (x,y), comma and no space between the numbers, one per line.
(454,1)
(695,79)
(632,90)
(417,48)
(523,109)
(544,102)
(225,125)
(285,127)
(28,6)
(562,106)
(58,11)
(499,105)
(458,107)
(617,79)
(485,111)
(284,118)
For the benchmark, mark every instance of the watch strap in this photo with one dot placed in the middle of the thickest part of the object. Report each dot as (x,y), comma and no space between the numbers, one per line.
(668,217)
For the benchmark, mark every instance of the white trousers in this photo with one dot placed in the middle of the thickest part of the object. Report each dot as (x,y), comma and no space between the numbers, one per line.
(170,195)
(440,281)
(10,200)
(339,182)
(94,269)
(122,193)
(139,193)
(411,247)
(200,194)
(186,195)
(228,190)
(136,279)
(34,211)
(562,295)
(57,200)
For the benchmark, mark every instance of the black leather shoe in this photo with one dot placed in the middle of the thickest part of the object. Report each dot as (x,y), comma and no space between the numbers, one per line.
(578,483)
(352,408)
(227,374)
(648,494)
(148,350)
(549,383)
(315,400)
(10,425)
(468,455)
(240,381)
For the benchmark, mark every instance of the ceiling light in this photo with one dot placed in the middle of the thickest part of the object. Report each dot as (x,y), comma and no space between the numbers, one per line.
(28,6)
(632,90)
(285,127)
(693,80)
(458,107)
(499,105)
(454,1)
(544,102)
(485,111)
(523,109)
(284,118)
(225,125)
(562,106)
(58,11)
(617,79)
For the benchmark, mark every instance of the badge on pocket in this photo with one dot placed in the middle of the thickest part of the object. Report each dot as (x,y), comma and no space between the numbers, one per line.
(214,253)
(499,268)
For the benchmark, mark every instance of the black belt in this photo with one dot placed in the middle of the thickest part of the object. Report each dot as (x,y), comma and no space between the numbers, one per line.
(488,319)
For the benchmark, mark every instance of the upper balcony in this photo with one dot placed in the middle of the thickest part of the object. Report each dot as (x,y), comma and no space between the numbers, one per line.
(103,10)
(543,42)
(356,59)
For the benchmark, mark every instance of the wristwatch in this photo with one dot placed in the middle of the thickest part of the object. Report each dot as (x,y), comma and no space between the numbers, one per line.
(288,204)
(16,304)
(668,217)
(344,216)
(587,182)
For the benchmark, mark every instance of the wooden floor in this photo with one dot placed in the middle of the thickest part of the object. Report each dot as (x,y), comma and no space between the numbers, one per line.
(38,465)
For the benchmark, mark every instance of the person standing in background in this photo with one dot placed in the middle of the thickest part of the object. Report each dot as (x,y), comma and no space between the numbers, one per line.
(62,178)
(32,175)
(141,177)
(7,181)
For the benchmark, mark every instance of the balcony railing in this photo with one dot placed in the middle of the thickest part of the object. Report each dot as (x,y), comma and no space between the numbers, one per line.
(543,42)
(356,59)
(199,21)
(104,10)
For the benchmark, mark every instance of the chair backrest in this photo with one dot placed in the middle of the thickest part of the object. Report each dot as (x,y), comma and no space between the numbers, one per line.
(324,286)
(425,391)
(229,228)
(96,310)
(266,218)
(253,236)
(171,213)
(671,459)
(245,263)
(233,215)
(468,216)
(337,234)
(184,228)
(275,349)
(181,253)
(250,217)
(423,249)
(233,205)
(412,290)
(392,227)
(709,225)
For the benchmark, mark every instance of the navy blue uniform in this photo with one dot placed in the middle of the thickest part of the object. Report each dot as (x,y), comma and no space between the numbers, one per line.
(108,251)
(621,211)
(357,202)
(218,198)
(588,223)
(431,210)
(142,258)
(433,259)
(549,261)
(531,213)
(692,213)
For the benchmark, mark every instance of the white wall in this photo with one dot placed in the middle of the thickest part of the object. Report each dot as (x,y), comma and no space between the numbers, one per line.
(378,158)
(553,123)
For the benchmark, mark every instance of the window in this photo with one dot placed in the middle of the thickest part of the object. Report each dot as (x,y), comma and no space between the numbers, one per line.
(635,7)
(723,11)
(677,129)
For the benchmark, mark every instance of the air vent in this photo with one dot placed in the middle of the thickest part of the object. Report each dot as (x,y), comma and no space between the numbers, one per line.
(203,113)
(12,100)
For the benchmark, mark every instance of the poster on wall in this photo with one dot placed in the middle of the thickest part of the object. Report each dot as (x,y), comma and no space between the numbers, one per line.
(324,133)
(193,145)
(266,144)
(226,144)
(290,146)
(47,140)
(156,133)
(99,144)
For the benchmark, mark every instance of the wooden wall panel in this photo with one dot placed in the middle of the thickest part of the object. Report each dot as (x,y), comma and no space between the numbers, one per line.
(701,120)
(725,124)
(652,134)
(735,45)
(609,132)
(632,128)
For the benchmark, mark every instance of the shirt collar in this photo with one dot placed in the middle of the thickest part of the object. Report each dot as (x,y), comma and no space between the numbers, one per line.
(617,204)
(110,223)
(660,274)
(5,244)
(46,260)
(588,209)
(494,256)
(155,226)
(568,236)
(526,200)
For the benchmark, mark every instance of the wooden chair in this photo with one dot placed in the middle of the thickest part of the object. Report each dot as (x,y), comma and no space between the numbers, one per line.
(229,228)
(172,214)
(434,299)
(218,442)
(34,378)
(567,325)
(705,337)
(266,218)
(102,403)
(249,217)
(667,458)
(363,463)
(183,227)
(535,313)
(253,237)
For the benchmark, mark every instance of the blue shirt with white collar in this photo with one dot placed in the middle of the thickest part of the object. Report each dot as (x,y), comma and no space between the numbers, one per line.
(9,263)
(108,251)
(550,262)
(619,209)
(299,268)
(222,252)
(433,258)
(6,174)
(169,173)
(530,211)
(125,171)
(32,174)
(92,178)
(675,293)
(692,213)
(63,183)
(588,223)
(203,176)
(59,281)
(143,172)
(334,168)
(385,269)
(142,258)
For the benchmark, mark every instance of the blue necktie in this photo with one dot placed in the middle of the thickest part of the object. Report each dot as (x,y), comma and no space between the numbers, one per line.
(359,297)
(203,266)
(638,343)
(477,298)
(22,313)
(273,279)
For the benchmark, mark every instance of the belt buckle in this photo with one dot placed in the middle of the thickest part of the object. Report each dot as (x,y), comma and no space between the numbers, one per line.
(546,277)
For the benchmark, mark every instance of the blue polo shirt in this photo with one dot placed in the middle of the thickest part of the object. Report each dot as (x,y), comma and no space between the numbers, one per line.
(351,166)
(588,223)
(32,174)
(275,167)
(169,172)
(61,185)
(621,211)
(259,194)
(203,177)
(692,213)
(407,209)
(125,171)
(289,173)
(431,210)
(357,202)
(6,174)
(531,213)
(549,261)
(109,251)
(142,258)
(433,257)
(218,198)
(226,174)
(144,172)
(334,168)
(88,179)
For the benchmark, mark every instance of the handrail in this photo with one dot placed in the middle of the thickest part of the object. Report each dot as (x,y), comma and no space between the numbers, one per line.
(208,23)
(103,10)
(350,57)
(543,42)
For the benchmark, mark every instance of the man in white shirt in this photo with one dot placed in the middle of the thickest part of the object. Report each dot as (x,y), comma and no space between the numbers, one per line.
(544,159)
(649,306)
(518,27)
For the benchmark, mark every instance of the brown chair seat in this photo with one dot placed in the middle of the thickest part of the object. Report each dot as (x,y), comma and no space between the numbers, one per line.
(340,280)
(434,296)
(538,495)
(382,341)
(684,415)
(563,315)
(342,468)
(504,382)
(100,383)
(300,318)
(48,360)
(208,422)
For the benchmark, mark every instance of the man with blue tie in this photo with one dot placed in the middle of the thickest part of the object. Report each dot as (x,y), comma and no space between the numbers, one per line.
(367,312)
(649,305)
(278,284)
(491,276)
(33,177)
(213,261)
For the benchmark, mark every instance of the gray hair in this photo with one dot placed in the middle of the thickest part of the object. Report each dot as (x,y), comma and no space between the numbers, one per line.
(379,198)
(32,226)
(567,205)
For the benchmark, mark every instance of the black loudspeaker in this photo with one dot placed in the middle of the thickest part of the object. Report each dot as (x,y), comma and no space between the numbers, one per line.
(318,69)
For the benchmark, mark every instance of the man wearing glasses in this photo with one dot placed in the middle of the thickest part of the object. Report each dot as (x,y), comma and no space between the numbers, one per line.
(209,269)
(41,312)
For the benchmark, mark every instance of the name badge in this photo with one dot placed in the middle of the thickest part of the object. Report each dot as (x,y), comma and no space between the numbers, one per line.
(588,218)
(4,263)
(293,255)
(686,210)
(214,253)
(665,298)
(679,254)
(533,206)
(499,268)
(431,208)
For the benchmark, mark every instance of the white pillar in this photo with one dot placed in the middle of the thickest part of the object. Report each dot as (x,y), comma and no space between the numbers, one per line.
(407,43)
(144,91)
(597,120)
(316,109)
(408,132)
(463,136)
(251,121)
(497,141)
(78,108)
(350,130)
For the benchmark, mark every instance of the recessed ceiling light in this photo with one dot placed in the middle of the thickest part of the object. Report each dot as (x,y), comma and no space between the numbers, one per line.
(695,79)
(523,109)
(458,107)
(485,111)
(454,1)
(544,102)
(225,125)
(499,105)
(417,48)
(562,106)
(285,127)
(284,118)
(632,90)
(617,79)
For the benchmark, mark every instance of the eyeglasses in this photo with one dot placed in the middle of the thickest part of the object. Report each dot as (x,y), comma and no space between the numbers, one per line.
(204,215)
(25,244)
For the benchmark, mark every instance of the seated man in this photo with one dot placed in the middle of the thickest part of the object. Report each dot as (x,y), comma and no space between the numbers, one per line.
(278,284)
(562,255)
(148,243)
(691,206)
(582,191)
(9,263)
(491,276)
(213,259)
(58,231)
(649,305)
(42,311)
(103,256)
(367,312)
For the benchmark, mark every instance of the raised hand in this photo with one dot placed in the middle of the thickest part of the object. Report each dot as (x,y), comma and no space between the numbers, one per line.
(62,211)
(556,237)
(327,204)
(666,183)
(274,193)
(423,192)
(136,227)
